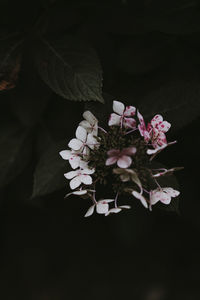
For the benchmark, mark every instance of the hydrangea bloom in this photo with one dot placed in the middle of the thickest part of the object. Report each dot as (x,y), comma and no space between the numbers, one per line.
(119,157)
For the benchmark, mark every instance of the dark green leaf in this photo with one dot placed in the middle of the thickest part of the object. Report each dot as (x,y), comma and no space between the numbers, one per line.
(15,152)
(29,99)
(70,68)
(49,172)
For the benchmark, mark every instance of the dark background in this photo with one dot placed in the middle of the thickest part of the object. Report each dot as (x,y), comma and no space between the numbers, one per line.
(149,53)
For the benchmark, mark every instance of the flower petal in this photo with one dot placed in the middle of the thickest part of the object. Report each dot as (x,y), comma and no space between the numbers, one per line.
(118,107)
(164,126)
(124,161)
(129,123)
(129,151)
(157,119)
(141,198)
(87,171)
(65,154)
(125,206)
(106,201)
(74,161)
(113,210)
(75,182)
(71,174)
(86,179)
(102,208)
(91,141)
(75,144)
(113,152)
(171,191)
(129,111)
(87,115)
(81,133)
(111,160)
(114,120)
(90,211)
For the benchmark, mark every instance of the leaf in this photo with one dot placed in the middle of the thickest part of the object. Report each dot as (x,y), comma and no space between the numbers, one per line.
(30,98)
(49,172)
(15,152)
(70,68)
(10,60)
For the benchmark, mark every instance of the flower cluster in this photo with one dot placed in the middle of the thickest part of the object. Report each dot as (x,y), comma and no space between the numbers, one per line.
(119,157)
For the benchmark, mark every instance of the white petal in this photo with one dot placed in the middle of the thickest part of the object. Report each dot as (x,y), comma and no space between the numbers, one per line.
(75,144)
(113,210)
(71,174)
(87,171)
(171,192)
(85,124)
(81,134)
(124,162)
(125,206)
(81,192)
(114,120)
(102,208)
(118,107)
(74,161)
(87,115)
(86,179)
(106,201)
(90,211)
(65,154)
(91,141)
(141,198)
(155,196)
(75,182)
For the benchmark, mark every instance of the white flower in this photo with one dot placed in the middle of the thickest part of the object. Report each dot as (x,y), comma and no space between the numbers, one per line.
(122,115)
(141,198)
(79,176)
(90,123)
(79,192)
(116,210)
(163,195)
(82,141)
(72,156)
(102,207)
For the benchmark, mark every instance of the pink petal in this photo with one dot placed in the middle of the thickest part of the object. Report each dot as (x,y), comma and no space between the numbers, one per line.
(130,111)
(111,160)
(129,123)
(124,162)
(129,151)
(156,120)
(113,152)
(164,126)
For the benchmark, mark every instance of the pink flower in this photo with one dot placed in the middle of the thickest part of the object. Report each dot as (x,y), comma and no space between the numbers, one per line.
(122,115)
(122,158)
(155,130)
(163,195)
